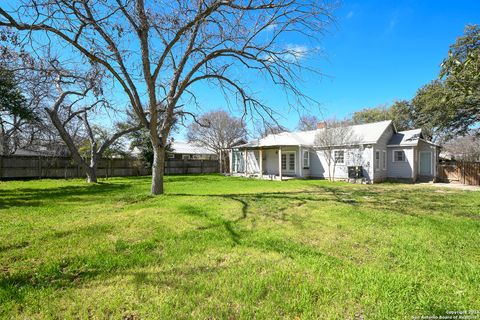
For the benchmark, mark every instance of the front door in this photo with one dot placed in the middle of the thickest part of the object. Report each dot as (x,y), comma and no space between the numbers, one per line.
(288,163)
(425,163)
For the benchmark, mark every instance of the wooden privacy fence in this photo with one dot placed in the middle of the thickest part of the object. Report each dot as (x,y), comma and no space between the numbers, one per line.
(460,172)
(30,167)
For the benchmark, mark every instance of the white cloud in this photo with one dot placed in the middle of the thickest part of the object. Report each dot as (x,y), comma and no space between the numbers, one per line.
(291,53)
(296,52)
(271,27)
(349,15)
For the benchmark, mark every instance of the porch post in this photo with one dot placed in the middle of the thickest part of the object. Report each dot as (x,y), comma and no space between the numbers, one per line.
(220,166)
(299,164)
(280,162)
(230,161)
(245,162)
(261,162)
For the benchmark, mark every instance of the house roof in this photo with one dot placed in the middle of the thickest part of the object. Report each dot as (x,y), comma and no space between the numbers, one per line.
(28,152)
(365,133)
(406,138)
(189,148)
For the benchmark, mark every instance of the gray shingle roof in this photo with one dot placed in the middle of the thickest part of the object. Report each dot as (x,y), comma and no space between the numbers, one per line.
(367,133)
(406,138)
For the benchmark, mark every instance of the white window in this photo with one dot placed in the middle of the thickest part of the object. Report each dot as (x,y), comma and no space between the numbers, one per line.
(339,156)
(284,162)
(377,160)
(384,160)
(170,155)
(399,156)
(185,156)
(306,159)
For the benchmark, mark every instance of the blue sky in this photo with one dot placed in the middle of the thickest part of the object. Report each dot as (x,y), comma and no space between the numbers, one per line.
(379,51)
(386,50)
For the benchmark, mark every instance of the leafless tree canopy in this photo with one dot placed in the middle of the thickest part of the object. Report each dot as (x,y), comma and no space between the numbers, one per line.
(264,128)
(157,51)
(218,131)
(465,148)
(69,99)
(307,122)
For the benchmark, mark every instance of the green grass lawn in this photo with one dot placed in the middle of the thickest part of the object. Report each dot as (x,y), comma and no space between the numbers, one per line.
(216,247)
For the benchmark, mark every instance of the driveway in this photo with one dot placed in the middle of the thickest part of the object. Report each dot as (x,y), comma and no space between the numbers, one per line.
(457,186)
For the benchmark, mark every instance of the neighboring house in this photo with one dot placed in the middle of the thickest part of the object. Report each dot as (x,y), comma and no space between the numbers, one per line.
(187,150)
(33,153)
(381,151)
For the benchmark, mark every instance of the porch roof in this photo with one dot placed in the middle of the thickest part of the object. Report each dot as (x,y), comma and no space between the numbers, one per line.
(256,146)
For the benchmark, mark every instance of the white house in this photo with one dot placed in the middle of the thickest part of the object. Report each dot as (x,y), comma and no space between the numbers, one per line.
(381,151)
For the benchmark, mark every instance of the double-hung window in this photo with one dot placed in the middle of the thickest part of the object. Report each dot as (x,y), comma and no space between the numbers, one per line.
(377,160)
(306,159)
(384,160)
(399,156)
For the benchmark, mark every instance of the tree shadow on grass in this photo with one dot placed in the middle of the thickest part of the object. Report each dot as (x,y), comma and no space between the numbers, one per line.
(33,197)
(73,271)
(126,257)
(283,200)
(407,202)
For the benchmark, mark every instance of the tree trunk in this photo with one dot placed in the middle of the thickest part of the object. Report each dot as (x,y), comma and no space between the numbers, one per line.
(92,169)
(220,161)
(91,174)
(3,143)
(329,162)
(158,170)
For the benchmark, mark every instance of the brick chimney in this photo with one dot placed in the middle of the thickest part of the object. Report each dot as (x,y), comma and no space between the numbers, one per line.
(321,125)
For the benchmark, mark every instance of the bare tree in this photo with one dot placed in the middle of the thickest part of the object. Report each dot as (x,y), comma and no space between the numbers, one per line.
(160,50)
(70,99)
(466,148)
(336,136)
(307,122)
(63,110)
(218,131)
(264,128)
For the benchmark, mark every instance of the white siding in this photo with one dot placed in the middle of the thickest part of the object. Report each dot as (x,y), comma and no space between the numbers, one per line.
(353,157)
(380,174)
(401,170)
(270,161)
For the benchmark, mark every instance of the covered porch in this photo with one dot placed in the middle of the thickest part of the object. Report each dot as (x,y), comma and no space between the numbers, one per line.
(273,162)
